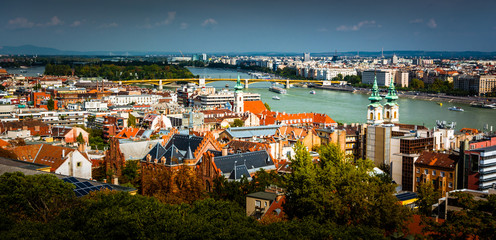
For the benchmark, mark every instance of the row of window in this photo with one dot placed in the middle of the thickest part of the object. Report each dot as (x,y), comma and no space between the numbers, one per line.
(450,184)
(434,173)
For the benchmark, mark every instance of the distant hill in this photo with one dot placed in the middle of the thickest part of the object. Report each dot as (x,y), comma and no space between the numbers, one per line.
(30,50)
(36,50)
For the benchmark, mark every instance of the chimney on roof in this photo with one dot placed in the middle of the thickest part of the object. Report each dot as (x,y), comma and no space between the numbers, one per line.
(115,180)
(224,151)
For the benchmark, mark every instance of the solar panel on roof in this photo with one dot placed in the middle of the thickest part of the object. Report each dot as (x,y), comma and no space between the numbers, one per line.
(79,185)
(406,196)
(78,194)
(70,180)
(87,184)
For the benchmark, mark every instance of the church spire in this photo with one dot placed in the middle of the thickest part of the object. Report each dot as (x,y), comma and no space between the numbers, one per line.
(391,96)
(238,87)
(375,98)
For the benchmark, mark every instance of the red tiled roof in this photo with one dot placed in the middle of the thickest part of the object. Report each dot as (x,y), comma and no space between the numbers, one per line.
(247,146)
(437,160)
(276,208)
(42,154)
(293,133)
(127,133)
(255,107)
(4,143)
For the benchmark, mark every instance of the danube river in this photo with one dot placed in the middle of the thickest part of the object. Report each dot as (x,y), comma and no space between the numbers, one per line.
(351,107)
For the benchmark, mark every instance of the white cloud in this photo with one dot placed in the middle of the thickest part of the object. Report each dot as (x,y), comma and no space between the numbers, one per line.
(20,22)
(418,20)
(209,21)
(55,21)
(184,25)
(108,25)
(357,26)
(170,17)
(76,24)
(432,23)
(322,29)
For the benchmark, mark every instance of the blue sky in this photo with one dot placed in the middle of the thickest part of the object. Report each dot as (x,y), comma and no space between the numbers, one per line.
(243,26)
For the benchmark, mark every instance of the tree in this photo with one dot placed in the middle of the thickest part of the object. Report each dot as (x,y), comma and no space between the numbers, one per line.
(427,196)
(131,121)
(50,104)
(80,139)
(237,123)
(37,197)
(417,84)
(476,219)
(341,191)
(267,106)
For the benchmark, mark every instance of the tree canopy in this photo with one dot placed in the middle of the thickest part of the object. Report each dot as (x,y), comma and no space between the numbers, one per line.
(341,191)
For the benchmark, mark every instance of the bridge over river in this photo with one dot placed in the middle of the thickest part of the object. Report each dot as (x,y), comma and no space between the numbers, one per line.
(202,81)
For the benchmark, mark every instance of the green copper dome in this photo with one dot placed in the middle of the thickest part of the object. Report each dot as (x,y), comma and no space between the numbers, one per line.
(238,87)
(375,97)
(391,96)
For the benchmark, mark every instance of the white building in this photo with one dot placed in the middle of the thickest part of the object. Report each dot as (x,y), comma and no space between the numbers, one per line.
(383,77)
(220,99)
(133,99)
(401,79)
(95,106)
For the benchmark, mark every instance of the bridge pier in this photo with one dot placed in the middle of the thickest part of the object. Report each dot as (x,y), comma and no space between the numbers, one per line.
(160,86)
(120,83)
(201,82)
(287,84)
(246,83)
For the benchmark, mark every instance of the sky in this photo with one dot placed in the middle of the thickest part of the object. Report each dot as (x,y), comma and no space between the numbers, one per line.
(250,25)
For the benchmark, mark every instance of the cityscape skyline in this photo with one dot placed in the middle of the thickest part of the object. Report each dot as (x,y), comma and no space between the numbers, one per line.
(226,26)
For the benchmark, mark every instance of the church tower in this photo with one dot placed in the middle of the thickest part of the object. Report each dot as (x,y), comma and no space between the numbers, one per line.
(391,107)
(374,109)
(238,97)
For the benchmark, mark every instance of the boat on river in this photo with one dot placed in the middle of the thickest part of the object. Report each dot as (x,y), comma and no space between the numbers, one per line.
(484,105)
(312,92)
(279,90)
(457,109)
(276,98)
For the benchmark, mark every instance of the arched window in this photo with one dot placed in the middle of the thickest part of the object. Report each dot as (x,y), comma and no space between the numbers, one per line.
(378,116)
(395,115)
(371,116)
(387,114)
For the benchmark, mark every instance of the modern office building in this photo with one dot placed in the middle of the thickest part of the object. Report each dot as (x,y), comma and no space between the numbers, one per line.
(383,77)
(480,84)
(132,99)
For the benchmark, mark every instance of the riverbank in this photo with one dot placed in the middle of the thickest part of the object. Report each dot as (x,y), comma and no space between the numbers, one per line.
(411,95)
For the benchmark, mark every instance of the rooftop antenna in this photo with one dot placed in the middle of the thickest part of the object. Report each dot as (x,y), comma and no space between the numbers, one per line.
(382,52)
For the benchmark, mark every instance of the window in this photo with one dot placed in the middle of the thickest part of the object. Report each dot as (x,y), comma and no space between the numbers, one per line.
(426,171)
(442,174)
(265,204)
(258,203)
(79,164)
(418,179)
(433,172)
(450,185)
(451,175)
(418,170)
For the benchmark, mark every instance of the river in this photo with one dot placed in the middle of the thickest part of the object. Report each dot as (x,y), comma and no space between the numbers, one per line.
(349,107)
